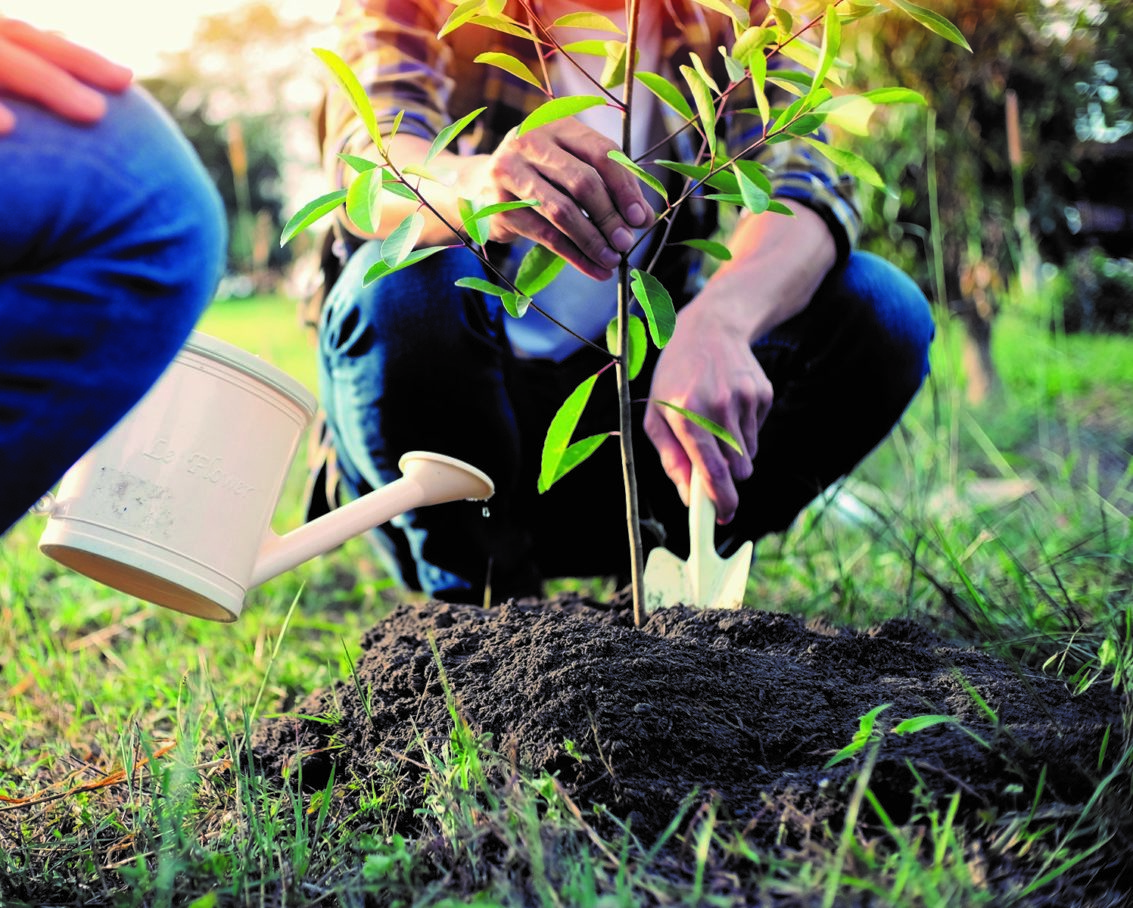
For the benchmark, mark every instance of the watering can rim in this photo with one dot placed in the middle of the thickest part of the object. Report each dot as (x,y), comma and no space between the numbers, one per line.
(230,355)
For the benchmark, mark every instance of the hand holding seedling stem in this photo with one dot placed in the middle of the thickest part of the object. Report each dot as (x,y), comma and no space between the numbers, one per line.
(587,207)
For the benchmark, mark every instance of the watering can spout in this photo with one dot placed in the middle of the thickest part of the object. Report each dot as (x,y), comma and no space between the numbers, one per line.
(426,479)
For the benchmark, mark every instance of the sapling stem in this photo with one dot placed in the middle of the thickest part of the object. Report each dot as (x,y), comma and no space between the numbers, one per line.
(625,416)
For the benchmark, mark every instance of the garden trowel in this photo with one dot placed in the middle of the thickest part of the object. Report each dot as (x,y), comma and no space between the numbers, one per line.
(706,580)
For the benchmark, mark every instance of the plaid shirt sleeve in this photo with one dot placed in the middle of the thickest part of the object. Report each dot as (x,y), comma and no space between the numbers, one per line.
(392,47)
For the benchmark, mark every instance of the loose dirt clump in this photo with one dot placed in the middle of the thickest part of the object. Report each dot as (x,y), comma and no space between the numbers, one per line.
(744,707)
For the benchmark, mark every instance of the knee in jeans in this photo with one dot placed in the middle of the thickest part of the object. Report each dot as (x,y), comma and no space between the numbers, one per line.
(887,306)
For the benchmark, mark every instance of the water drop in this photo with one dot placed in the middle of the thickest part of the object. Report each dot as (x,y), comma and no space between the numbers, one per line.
(486,513)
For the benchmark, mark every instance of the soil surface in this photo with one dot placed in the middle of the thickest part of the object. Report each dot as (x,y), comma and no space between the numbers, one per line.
(743,707)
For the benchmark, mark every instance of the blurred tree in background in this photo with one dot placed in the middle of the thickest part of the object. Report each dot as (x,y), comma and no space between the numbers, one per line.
(977,208)
(242,93)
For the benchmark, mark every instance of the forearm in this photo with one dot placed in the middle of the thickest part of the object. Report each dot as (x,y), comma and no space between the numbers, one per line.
(777,264)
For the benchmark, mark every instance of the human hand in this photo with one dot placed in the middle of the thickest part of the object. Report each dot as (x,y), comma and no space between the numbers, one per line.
(588,204)
(54,73)
(710,370)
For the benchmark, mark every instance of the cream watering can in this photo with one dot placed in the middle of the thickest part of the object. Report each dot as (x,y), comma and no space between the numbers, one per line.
(174,505)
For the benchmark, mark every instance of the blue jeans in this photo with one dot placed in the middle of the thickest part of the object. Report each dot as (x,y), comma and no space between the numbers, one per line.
(112,240)
(412,362)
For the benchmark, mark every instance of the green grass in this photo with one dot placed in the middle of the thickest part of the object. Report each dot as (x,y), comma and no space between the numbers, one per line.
(123,723)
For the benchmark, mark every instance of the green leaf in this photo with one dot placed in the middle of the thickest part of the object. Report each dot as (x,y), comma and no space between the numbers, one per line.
(614,71)
(755,172)
(737,72)
(799,108)
(657,303)
(539,267)
(591,47)
(401,241)
(784,21)
(702,173)
(702,95)
(850,163)
(311,212)
(510,64)
(460,15)
(752,41)
(638,344)
(806,125)
(866,723)
(558,109)
(593,21)
(757,64)
(862,736)
(849,112)
(358,164)
(355,93)
(478,283)
(895,95)
(702,70)
(504,24)
(713,428)
(396,125)
(364,200)
(516,304)
(931,20)
(791,81)
(498,207)
(732,10)
(420,170)
(755,198)
(667,92)
(809,57)
(828,51)
(710,247)
(392,184)
(726,198)
(450,132)
(380,269)
(477,230)
(573,456)
(560,431)
(917,723)
(475,220)
(640,172)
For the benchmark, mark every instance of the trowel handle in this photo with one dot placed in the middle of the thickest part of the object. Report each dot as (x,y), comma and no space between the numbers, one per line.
(701,518)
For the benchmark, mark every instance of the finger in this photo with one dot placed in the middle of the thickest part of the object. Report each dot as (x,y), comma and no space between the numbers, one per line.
(7,120)
(703,451)
(82,63)
(565,214)
(674,460)
(571,193)
(564,228)
(622,187)
(524,222)
(739,462)
(29,76)
(585,184)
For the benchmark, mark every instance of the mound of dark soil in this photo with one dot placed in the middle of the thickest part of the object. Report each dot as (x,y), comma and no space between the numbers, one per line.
(742,706)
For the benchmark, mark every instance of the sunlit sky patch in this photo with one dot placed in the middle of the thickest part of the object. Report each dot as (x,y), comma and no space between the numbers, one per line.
(138,32)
